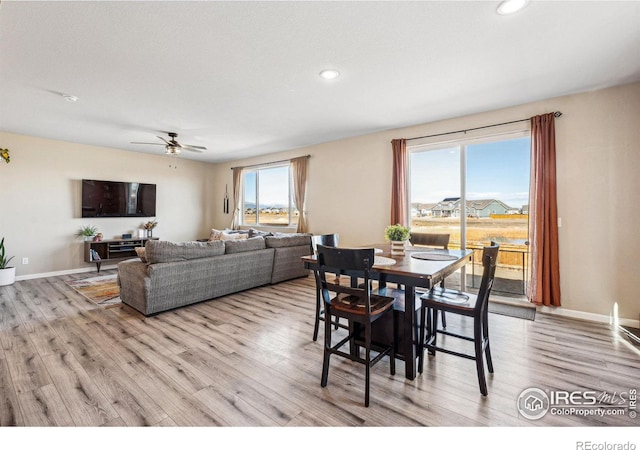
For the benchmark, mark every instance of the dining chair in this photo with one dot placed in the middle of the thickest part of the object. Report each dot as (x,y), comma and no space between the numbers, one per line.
(439,240)
(356,304)
(464,304)
(430,239)
(328,240)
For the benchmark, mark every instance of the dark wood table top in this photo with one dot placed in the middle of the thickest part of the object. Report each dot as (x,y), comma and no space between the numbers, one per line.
(422,272)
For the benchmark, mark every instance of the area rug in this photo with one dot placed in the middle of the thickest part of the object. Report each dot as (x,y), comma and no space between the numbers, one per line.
(102,290)
(511,310)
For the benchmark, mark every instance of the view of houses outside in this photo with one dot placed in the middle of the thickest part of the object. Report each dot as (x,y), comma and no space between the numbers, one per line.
(496,207)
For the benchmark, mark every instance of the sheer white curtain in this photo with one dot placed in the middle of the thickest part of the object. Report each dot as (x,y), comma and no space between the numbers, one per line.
(237,187)
(299,174)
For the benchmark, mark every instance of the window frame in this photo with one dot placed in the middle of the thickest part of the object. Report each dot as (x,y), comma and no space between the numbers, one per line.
(291,204)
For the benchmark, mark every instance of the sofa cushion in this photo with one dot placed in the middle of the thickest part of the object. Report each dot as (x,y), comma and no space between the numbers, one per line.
(288,240)
(165,251)
(244,245)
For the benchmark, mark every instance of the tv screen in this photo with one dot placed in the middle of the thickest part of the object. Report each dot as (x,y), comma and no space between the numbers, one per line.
(118,199)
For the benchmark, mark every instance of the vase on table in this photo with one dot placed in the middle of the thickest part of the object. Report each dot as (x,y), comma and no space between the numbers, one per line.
(397,248)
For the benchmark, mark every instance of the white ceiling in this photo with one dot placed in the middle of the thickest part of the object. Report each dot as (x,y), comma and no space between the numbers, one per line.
(241,78)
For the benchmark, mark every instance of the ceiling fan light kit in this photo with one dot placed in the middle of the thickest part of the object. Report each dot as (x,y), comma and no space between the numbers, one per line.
(172,147)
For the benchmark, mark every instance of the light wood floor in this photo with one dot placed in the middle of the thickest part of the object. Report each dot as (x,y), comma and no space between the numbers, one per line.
(248,360)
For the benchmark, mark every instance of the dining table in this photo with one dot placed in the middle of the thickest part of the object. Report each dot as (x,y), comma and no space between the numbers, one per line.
(418,268)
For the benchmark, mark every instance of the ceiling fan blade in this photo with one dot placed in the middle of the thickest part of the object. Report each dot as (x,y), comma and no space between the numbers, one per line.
(148,143)
(167,142)
(194,148)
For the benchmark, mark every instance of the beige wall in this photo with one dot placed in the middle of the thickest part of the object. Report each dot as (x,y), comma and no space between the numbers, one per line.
(40,199)
(598,141)
(349,183)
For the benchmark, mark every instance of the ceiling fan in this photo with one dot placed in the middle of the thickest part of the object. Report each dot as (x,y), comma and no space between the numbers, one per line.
(172,146)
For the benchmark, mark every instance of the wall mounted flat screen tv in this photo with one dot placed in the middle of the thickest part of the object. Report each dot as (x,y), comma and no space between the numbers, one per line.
(118,199)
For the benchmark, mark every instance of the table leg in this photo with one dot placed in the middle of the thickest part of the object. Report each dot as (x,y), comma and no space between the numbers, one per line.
(410,339)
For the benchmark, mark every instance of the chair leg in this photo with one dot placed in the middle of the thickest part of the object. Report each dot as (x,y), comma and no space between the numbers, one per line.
(487,352)
(367,340)
(327,347)
(317,324)
(422,337)
(485,337)
(433,329)
(444,319)
(477,334)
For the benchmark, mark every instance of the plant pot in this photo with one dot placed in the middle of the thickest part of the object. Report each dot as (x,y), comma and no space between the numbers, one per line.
(88,238)
(7,276)
(397,248)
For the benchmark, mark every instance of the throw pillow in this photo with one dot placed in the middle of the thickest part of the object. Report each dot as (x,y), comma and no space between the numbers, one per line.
(253,233)
(215,235)
(142,254)
(232,236)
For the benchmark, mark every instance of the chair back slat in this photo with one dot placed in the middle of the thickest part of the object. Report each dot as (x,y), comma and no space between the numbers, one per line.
(430,239)
(328,240)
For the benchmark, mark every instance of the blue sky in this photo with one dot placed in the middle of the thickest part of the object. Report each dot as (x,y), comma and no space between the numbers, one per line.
(497,170)
(274,188)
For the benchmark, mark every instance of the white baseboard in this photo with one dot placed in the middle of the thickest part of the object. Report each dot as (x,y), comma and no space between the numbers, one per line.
(571,313)
(63,272)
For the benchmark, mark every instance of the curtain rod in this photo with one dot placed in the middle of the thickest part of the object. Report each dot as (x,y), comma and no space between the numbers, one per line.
(555,114)
(268,163)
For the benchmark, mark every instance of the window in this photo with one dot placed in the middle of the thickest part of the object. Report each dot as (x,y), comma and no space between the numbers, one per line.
(268,198)
(477,191)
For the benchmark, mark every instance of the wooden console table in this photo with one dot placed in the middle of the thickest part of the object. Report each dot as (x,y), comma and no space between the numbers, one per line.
(111,250)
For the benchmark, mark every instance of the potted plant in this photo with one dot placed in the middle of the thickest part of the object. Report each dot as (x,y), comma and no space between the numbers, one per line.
(87,232)
(7,274)
(397,235)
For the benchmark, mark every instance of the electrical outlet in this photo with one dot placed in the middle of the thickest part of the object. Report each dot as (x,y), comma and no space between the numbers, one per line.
(25,260)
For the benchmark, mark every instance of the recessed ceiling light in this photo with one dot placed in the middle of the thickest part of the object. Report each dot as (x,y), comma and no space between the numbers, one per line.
(329,74)
(511,6)
(70,98)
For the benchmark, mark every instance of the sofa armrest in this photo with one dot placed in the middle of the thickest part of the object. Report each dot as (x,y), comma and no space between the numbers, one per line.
(133,280)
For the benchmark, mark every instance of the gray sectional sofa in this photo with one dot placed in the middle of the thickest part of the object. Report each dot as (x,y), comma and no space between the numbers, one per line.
(179,274)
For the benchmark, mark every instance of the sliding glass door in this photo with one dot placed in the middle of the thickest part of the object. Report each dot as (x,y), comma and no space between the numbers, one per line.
(477,192)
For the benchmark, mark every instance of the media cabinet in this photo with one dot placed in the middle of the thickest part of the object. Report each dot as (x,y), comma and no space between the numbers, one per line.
(112,250)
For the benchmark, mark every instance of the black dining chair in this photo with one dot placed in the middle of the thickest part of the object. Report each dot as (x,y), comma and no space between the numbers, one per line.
(464,304)
(328,240)
(433,240)
(356,304)
(440,240)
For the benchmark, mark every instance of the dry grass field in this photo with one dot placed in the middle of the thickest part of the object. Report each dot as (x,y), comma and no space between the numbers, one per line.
(270,219)
(510,233)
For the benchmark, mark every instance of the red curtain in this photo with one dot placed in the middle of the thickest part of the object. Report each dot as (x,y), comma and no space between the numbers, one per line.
(399,200)
(544,287)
